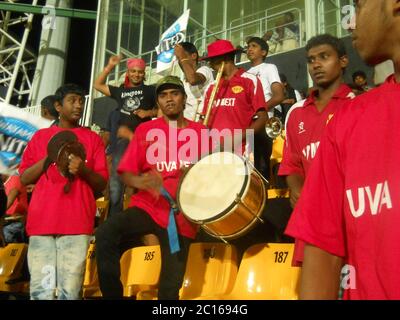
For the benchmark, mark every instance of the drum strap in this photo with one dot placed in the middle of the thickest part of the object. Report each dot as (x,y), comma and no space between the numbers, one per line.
(172,231)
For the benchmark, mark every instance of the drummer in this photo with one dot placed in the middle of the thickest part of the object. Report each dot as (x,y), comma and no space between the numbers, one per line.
(153,167)
(59,224)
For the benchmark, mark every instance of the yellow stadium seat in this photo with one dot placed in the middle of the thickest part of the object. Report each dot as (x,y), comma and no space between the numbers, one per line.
(276,156)
(278,193)
(140,269)
(91,287)
(265,273)
(277,148)
(211,269)
(12,258)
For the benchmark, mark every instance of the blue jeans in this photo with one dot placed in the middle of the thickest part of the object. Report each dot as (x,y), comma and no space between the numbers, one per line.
(116,185)
(14,232)
(57,266)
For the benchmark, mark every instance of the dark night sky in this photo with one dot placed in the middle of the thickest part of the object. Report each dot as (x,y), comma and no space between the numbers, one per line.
(80,49)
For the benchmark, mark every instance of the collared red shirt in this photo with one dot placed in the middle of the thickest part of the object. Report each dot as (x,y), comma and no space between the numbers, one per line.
(304,128)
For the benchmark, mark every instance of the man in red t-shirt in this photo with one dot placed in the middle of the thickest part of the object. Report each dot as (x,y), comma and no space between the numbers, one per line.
(152,165)
(17,206)
(238,100)
(349,210)
(60,223)
(307,120)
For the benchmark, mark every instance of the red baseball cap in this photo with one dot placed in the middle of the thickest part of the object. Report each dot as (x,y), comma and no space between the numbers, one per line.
(219,48)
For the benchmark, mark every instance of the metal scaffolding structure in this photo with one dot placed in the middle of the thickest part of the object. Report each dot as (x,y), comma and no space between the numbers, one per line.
(17,62)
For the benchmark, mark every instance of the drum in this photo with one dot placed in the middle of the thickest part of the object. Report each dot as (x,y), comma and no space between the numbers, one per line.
(223,194)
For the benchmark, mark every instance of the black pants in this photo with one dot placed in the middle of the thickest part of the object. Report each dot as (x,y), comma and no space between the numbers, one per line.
(124,226)
(3,202)
(262,153)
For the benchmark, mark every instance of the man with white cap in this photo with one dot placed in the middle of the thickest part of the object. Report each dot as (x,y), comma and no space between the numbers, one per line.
(136,104)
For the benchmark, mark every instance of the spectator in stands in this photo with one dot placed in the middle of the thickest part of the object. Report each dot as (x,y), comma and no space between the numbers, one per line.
(136,104)
(285,36)
(291,96)
(360,83)
(257,52)
(60,221)
(349,210)
(17,208)
(197,79)
(48,108)
(307,120)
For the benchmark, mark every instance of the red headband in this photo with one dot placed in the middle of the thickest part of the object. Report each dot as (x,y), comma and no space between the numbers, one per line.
(136,63)
(133,63)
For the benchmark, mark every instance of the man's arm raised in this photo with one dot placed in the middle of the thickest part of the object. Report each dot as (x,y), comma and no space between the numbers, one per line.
(100,82)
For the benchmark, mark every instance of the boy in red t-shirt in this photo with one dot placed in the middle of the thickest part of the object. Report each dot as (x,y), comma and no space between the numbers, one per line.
(60,222)
(152,164)
(349,210)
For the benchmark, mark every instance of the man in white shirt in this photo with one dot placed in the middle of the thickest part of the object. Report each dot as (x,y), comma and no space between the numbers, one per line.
(196,79)
(268,73)
(274,94)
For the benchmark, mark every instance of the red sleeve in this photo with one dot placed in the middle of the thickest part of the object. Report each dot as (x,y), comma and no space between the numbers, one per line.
(31,153)
(13,183)
(318,218)
(258,101)
(291,158)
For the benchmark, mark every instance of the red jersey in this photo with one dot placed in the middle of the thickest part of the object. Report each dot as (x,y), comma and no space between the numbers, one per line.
(51,211)
(350,206)
(20,205)
(236,102)
(304,128)
(157,147)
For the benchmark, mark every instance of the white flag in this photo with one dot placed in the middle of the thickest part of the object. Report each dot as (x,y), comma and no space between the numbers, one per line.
(16,130)
(174,35)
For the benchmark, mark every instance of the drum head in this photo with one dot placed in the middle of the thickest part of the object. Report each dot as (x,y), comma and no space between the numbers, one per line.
(209,189)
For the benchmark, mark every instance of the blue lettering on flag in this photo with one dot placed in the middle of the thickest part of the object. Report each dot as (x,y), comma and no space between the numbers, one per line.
(17,128)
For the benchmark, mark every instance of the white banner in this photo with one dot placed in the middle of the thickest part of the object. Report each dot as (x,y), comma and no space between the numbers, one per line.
(174,35)
(16,130)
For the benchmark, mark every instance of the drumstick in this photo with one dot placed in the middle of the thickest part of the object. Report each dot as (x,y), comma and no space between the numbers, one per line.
(213,93)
